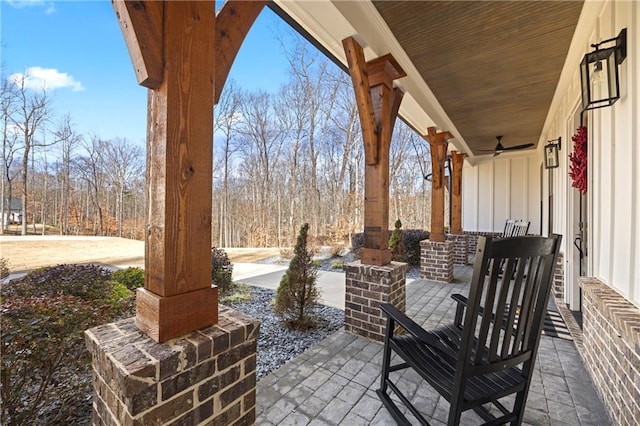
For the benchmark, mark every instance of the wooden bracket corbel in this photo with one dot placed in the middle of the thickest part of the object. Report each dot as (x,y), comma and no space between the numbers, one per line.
(141,23)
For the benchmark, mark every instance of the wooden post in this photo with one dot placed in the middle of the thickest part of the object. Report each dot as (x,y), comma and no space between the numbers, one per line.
(457,161)
(438,144)
(174,46)
(378,104)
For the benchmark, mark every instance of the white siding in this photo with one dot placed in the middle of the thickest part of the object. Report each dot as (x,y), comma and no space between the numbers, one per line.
(506,188)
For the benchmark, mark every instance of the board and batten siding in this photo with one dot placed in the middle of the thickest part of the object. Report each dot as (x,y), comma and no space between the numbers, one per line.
(506,188)
(613,196)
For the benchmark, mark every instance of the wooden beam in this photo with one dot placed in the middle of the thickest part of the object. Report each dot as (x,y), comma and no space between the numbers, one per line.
(178,297)
(457,162)
(233,23)
(378,105)
(438,143)
(360,80)
(141,24)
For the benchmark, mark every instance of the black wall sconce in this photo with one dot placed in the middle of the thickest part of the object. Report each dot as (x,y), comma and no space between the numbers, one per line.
(599,72)
(551,158)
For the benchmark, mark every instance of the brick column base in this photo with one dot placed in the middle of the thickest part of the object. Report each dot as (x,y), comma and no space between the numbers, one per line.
(436,260)
(611,344)
(460,248)
(366,287)
(207,376)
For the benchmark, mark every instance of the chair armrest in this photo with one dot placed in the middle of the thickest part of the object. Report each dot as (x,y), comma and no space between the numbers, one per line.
(414,329)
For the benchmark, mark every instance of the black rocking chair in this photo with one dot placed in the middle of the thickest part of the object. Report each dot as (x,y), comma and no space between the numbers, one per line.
(489,350)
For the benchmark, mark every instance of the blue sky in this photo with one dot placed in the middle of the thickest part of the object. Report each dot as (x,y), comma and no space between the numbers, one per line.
(77,47)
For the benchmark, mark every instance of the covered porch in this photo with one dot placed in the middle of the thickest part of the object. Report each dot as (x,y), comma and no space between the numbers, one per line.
(461,74)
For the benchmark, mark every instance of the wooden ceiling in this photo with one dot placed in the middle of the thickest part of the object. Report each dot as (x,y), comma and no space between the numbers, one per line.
(492,65)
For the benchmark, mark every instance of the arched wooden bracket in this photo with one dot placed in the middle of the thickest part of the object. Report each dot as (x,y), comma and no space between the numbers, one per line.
(141,24)
(233,23)
(378,101)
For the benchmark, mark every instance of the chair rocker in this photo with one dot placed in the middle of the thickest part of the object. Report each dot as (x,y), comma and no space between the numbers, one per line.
(489,350)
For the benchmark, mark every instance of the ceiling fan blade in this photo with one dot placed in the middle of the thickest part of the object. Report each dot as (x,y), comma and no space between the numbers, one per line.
(523,146)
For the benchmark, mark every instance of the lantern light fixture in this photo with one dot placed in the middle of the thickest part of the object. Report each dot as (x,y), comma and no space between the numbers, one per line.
(599,73)
(551,157)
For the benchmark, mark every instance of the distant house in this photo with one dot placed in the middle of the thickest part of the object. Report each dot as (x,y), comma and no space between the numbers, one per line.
(12,211)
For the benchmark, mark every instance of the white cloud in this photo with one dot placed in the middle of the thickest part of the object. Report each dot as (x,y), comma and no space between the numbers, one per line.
(19,4)
(46,78)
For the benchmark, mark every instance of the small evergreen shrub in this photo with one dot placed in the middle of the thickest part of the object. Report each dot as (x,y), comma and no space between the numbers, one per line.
(221,271)
(297,292)
(396,243)
(132,278)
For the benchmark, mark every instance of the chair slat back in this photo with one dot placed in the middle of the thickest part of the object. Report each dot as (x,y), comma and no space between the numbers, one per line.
(505,311)
(509,226)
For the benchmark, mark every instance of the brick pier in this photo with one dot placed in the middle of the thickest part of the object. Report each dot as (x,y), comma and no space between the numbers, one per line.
(366,287)
(207,376)
(436,260)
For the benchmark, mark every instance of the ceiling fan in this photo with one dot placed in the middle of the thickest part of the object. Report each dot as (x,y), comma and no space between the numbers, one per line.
(499,149)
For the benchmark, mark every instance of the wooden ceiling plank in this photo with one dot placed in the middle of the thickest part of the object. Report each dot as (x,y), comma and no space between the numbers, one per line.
(233,23)
(141,24)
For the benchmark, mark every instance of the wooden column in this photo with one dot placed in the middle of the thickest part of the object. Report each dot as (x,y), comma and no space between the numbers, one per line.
(457,161)
(438,144)
(173,47)
(378,103)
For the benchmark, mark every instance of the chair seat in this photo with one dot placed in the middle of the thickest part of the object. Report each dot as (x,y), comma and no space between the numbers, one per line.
(439,368)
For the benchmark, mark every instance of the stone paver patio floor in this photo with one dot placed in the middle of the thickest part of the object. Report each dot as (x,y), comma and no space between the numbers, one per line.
(334,382)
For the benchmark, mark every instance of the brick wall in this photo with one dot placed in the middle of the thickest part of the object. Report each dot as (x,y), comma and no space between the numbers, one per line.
(436,260)
(207,376)
(366,287)
(611,341)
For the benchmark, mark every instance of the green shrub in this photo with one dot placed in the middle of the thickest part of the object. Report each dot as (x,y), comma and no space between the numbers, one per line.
(132,278)
(240,294)
(337,264)
(316,263)
(43,318)
(4,268)
(221,271)
(297,292)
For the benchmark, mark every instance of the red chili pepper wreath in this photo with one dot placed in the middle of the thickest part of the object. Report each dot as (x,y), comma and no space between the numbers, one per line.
(578,158)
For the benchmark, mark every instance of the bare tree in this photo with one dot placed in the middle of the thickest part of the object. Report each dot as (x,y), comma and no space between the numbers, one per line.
(124,165)
(69,141)
(31,113)
(8,98)
(226,125)
(92,167)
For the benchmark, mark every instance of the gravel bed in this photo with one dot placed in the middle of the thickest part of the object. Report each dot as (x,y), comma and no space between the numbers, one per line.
(277,344)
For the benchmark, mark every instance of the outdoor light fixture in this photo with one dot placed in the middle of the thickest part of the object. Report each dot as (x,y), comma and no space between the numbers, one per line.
(599,72)
(551,159)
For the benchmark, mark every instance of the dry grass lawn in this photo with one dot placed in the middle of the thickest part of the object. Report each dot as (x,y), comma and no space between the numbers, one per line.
(30,252)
